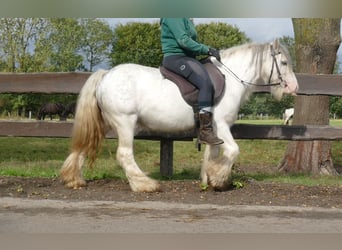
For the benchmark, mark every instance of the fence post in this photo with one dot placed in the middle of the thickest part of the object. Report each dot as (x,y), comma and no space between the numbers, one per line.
(166,157)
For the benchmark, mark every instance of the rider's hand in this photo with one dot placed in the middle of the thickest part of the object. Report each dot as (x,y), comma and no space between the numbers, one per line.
(215,53)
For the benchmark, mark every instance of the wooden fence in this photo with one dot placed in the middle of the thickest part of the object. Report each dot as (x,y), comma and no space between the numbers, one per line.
(53,83)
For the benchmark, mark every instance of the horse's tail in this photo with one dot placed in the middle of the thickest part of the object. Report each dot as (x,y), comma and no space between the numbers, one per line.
(88,130)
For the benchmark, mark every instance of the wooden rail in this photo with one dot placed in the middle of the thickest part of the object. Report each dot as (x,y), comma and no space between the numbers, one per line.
(15,128)
(52,83)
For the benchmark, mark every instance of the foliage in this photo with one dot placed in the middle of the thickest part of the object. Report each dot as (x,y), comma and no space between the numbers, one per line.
(96,44)
(336,106)
(289,43)
(53,44)
(220,35)
(65,40)
(137,43)
(145,47)
(16,36)
(49,45)
(265,104)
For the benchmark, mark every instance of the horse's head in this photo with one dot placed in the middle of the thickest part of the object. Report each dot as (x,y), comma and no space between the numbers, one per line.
(281,77)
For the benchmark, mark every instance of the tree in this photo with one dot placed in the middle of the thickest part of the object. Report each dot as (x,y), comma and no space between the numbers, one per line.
(289,43)
(137,43)
(317,41)
(16,36)
(64,42)
(220,35)
(336,106)
(140,42)
(49,45)
(97,40)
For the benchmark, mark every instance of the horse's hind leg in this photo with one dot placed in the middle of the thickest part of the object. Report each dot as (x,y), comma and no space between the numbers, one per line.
(138,181)
(71,172)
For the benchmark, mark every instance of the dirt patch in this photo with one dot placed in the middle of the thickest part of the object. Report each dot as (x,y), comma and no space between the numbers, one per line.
(185,191)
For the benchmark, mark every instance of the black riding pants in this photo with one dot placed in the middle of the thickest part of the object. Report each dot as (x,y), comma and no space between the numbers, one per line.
(194,72)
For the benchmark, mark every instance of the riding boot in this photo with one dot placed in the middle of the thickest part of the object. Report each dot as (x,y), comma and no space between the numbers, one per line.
(206,132)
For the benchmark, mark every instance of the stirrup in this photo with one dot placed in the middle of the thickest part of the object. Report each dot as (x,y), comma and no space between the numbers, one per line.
(198,144)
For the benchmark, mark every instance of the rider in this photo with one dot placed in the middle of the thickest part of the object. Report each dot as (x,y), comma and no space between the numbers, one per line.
(180,48)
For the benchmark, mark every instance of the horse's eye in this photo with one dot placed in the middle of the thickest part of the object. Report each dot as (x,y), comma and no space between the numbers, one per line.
(284,63)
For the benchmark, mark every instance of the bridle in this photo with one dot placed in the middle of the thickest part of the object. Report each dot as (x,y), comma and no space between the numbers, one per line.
(274,62)
(281,82)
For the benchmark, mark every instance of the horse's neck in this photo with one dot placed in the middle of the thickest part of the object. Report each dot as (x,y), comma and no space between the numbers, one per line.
(246,61)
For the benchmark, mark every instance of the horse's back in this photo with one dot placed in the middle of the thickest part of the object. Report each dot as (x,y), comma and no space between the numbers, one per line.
(123,83)
(136,83)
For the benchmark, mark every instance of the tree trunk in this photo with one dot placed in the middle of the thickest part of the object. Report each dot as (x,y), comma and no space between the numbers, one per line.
(317,41)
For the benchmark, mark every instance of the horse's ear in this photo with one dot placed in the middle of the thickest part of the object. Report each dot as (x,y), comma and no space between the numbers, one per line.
(276,44)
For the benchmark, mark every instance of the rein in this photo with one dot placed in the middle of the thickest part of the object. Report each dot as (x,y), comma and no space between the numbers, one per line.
(274,62)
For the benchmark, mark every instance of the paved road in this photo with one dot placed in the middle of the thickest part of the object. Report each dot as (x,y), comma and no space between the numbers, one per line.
(56,216)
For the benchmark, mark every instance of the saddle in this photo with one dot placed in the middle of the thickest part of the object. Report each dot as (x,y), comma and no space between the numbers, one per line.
(189,91)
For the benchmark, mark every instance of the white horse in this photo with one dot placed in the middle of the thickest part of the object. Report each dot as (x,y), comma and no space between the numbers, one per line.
(130,98)
(288,114)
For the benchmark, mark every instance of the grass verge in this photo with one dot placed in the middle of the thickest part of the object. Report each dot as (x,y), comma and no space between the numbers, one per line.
(43,157)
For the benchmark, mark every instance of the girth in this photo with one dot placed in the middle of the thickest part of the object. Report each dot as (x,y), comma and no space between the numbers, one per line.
(189,91)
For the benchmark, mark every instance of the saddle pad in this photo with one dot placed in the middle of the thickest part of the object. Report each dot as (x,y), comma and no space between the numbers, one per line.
(190,92)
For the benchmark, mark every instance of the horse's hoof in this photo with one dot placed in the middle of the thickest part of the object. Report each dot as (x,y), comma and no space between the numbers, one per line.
(222,187)
(145,185)
(77,184)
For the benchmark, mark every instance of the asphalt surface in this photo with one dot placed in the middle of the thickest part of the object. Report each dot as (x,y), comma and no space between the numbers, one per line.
(58,216)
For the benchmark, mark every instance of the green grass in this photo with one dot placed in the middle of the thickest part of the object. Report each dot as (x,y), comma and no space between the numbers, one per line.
(337,122)
(43,157)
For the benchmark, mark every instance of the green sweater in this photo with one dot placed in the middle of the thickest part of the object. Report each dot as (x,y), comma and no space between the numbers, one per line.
(178,37)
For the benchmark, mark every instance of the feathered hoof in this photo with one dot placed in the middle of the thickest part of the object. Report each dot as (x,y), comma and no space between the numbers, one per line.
(144,184)
(76,184)
(215,186)
(218,176)
(221,185)
(222,188)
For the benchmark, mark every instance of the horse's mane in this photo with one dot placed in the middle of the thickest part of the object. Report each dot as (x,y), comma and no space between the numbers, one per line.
(257,47)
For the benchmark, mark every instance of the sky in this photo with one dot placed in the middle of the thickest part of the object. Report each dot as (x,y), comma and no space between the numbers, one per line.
(257,29)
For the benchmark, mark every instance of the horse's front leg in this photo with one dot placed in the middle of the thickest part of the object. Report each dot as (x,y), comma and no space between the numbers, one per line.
(211,153)
(216,170)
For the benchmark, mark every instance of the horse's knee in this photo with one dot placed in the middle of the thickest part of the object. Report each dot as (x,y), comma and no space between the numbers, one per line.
(231,152)
(124,156)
